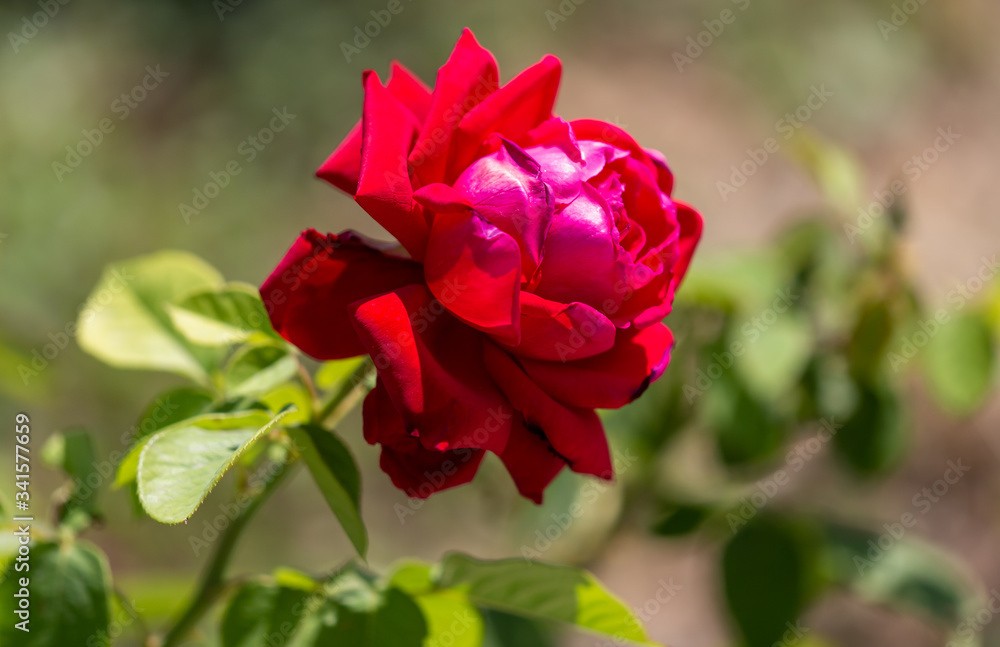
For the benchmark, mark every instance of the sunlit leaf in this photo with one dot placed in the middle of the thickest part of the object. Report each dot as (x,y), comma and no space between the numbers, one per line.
(179,466)
(960,363)
(125,321)
(542,591)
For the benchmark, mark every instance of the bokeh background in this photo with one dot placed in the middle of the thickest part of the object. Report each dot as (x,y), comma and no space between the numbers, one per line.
(228,65)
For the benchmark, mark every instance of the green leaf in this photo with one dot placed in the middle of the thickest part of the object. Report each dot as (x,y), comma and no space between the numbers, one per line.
(871,335)
(172,407)
(451,618)
(397,622)
(770,573)
(179,466)
(747,429)
(508,630)
(775,354)
(125,321)
(334,470)
(260,613)
(331,374)
(293,394)
(960,363)
(895,570)
(681,519)
(129,466)
(70,598)
(255,370)
(544,592)
(873,437)
(222,316)
(837,171)
(73,452)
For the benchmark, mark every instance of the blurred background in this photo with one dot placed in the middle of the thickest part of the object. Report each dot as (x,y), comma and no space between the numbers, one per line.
(875,212)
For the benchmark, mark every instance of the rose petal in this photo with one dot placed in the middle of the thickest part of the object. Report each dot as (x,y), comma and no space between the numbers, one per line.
(691,225)
(531,461)
(575,434)
(384,189)
(474,270)
(414,469)
(609,380)
(343,166)
(561,332)
(465,80)
(506,188)
(308,292)
(521,104)
(429,363)
(583,236)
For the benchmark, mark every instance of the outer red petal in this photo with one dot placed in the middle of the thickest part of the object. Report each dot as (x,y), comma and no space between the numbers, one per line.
(384,188)
(343,167)
(531,461)
(575,434)
(414,469)
(561,332)
(474,270)
(609,380)
(466,79)
(308,292)
(691,224)
(429,363)
(520,105)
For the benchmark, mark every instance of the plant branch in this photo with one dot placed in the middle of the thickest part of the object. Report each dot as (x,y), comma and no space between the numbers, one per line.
(351,391)
(212,581)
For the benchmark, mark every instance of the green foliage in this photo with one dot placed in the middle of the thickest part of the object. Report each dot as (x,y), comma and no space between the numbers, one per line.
(333,468)
(126,320)
(769,571)
(70,594)
(960,363)
(178,467)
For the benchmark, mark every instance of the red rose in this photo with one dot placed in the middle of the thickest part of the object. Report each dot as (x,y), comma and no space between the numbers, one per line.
(540,258)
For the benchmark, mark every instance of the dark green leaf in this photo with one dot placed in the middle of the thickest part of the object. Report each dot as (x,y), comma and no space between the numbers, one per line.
(336,474)
(222,316)
(770,574)
(69,595)
(873,437)
(681,519)
(260,613)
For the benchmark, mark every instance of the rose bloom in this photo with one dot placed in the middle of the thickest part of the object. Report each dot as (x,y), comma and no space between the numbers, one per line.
(536,260)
